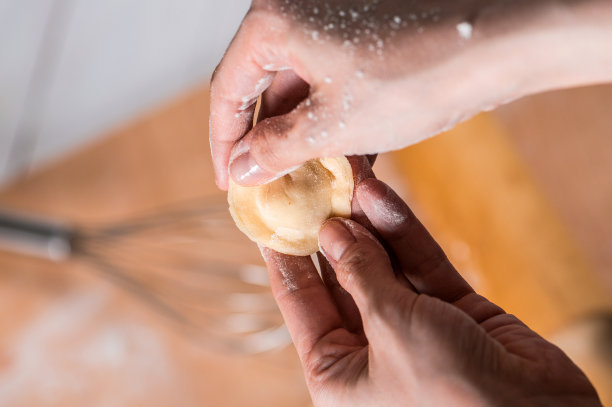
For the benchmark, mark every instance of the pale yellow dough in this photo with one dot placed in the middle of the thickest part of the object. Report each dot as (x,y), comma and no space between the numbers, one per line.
(286,214)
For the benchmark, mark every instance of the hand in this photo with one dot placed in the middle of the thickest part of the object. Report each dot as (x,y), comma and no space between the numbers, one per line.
(380,75)
(392,323)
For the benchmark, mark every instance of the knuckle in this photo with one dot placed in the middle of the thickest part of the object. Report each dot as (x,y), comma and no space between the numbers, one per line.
(320,359)
(265,29)
(256,16)
(356,268)
(327,356)
(263,5)
(252,22)
(354,262)
(259,19)
(431,263)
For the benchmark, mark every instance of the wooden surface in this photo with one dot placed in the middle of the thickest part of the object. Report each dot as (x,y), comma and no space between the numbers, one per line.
(78,339)
(75,337)
(482,203)
(520,200)
(565,139)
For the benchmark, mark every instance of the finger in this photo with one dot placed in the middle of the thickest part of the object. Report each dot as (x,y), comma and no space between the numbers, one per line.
(362,267)
(349,312)
(419,256)
(343,300)
(307,308)
(279,144)
(244,73)
(286,92)
(362,169)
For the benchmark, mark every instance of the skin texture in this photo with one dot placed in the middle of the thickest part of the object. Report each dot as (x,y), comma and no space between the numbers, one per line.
(381,75)
(392,323)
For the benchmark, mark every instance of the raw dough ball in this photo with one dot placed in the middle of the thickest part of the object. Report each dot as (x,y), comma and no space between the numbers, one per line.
(286,214)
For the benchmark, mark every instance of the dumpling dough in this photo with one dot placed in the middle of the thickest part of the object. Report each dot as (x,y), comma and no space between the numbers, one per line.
(286,214)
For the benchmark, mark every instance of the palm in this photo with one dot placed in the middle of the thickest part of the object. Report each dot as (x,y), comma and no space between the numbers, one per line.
(446,328)
(349,360)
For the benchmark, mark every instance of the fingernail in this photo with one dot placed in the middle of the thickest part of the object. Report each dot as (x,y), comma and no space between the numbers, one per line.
(245,170)
(335,238)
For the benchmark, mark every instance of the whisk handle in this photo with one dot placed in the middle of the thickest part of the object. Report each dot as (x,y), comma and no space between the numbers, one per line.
(35,236)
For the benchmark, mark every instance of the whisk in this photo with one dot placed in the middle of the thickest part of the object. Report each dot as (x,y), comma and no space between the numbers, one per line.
(187,262)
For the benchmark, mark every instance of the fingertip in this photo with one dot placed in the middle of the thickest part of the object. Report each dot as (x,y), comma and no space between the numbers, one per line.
(362,169)
(221,182)
(371,188)
(360,262)
(245,171)
(383,207)
(338,234)
(242,167)
(245,165)
(334,238)
(266,253)
(221,174)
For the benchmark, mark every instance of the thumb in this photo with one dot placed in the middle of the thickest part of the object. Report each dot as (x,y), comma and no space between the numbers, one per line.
(363,269)
(428,327)
(277,145)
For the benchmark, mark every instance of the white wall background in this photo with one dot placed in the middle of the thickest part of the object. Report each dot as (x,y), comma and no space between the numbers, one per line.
(71,69)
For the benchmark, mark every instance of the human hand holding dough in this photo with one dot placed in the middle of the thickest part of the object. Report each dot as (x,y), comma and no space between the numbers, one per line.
(286,214)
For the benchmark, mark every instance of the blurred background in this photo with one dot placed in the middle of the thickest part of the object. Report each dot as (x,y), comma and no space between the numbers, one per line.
(72,69)
(124,281)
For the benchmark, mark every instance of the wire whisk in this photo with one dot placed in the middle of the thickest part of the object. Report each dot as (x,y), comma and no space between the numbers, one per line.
(189,262)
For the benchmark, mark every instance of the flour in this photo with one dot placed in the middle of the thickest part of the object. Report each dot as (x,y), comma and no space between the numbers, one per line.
(283,266)
(276,68)
(390,210)
(73,353)
(465,30)
(261,85)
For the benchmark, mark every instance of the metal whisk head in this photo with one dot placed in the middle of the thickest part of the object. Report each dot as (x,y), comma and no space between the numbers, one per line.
(188,262)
